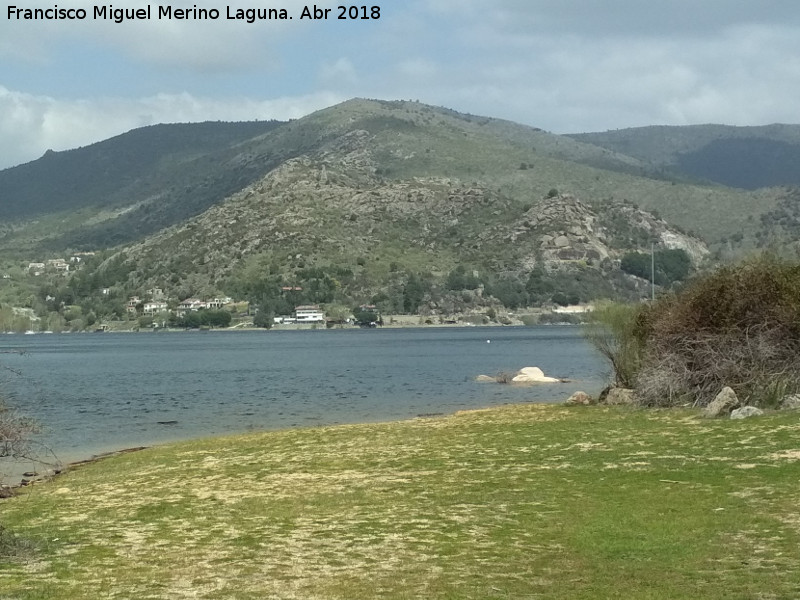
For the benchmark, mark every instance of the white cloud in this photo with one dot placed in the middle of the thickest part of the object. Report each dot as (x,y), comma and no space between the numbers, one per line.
(200,44)
(574,65)
(418,69)
(29,124)
(340,72)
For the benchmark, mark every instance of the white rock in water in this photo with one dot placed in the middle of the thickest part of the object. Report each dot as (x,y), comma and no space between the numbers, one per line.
(533,375)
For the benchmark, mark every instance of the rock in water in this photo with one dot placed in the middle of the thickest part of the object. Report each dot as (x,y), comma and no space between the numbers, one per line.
(533,375)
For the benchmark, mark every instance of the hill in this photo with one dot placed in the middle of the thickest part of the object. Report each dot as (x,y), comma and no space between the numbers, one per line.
(126,188)
(329,224)
(740,157)
(411,207)
(141,181)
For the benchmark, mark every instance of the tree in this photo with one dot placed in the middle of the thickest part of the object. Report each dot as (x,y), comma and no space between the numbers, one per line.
(670,265)
(413,293)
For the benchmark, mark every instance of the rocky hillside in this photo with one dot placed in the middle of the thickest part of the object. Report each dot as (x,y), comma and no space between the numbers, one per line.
(132,186)
(333,214)
(409,207)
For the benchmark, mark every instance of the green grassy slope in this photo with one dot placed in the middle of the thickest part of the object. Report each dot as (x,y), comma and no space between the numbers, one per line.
(516,502)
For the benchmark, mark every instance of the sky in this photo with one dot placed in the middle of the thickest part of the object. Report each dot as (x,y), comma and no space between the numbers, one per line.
(565,66)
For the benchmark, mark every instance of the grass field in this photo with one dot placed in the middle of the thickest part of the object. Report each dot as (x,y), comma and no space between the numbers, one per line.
(527,501)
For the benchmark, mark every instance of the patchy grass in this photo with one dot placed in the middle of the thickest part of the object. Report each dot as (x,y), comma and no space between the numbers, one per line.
(523,501)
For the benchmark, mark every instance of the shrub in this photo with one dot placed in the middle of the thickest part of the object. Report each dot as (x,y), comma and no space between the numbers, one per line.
(16,434)
(738,327)
(614,331)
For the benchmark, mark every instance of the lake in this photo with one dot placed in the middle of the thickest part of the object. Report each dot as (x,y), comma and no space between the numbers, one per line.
(100,392)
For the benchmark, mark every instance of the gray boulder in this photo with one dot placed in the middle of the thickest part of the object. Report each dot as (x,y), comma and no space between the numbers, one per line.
(746,412)
(579,398)
(790,402)
(617,396)
(722,405)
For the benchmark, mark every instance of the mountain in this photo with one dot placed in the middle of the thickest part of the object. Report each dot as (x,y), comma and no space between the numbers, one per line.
(131,186)
(739,157)
(139,182)
(335,223)
(408,206)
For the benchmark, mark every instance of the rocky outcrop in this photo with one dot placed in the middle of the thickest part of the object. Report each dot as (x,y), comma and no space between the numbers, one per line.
(722,405)
(568,234)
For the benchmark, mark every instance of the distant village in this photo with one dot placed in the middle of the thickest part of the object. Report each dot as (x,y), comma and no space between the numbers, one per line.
(158,304)
(154,309)
(58,265)
(155,302)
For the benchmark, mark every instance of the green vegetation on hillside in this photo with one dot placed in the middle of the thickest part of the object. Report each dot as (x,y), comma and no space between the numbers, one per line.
(741,157)
(664,267)
(368,202)
(145,180)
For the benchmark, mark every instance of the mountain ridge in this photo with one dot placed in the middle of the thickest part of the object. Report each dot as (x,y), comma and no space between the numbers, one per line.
(747,157)
(394,203)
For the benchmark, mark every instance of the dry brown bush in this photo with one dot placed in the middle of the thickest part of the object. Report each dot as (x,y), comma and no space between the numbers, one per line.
(739,327)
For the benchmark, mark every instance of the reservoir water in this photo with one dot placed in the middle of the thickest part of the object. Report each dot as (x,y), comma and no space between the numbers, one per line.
(95,393)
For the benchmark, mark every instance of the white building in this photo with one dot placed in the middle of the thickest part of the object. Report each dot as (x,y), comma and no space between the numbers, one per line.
(133,302)
(189,305)
(309,314)
(153,308)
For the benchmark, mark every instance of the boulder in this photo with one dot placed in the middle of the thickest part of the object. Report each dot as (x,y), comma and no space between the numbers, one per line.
(533,375)
(722,405)
(617,396)
(746,412)
(579,399)
(485,379)
(790,402)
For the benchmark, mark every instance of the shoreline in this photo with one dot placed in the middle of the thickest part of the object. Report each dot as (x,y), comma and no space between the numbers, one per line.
(84,427)
(54,472)
(401,322)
